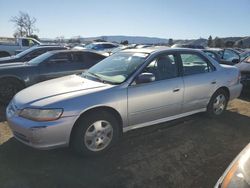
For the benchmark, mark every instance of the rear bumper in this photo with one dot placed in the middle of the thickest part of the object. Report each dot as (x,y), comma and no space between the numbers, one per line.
(235,91)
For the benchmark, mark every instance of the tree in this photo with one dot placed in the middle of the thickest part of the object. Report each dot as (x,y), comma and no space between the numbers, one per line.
(210,41)
(125,42)
(24,24)
(170,42)
(240,44)
(218,43)
(229,44)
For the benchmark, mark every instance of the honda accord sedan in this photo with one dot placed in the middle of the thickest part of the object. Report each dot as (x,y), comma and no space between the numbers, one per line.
(128,90)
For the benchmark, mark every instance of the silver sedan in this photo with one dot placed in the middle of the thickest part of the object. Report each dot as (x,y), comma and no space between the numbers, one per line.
(128,90)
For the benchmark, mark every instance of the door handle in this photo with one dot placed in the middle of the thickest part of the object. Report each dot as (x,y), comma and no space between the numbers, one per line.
(213,82)
(176,89)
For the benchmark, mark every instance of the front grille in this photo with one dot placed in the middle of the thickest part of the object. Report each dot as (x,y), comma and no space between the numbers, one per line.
(21,136)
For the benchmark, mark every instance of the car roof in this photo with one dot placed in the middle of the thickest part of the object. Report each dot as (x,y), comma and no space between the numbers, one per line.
(159,49)
(48,46)
(73,50)
(104,43)
(212,49)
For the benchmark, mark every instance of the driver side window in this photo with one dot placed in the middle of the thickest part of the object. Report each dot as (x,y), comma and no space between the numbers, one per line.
(163,67)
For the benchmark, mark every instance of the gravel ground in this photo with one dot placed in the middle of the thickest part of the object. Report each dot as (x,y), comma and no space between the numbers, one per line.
(189,152)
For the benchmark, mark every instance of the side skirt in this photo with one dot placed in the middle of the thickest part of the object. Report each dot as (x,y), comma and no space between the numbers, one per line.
(132,127)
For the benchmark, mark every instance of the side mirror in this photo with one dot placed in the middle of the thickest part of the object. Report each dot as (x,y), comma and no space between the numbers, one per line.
(235,61)
(145,78)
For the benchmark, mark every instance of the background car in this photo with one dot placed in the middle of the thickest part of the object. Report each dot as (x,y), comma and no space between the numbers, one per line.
(29,54)
(100,46)
(16,76)
(223,56)
(10,46)
(237,175)
(244,55)
(244,67)
(187,46)
(128,90)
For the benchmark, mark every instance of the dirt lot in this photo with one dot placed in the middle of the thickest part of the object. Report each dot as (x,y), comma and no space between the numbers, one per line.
(190,152)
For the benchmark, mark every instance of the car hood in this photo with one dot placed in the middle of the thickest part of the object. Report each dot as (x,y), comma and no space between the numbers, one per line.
(13,65)
(55,90)
(6,59)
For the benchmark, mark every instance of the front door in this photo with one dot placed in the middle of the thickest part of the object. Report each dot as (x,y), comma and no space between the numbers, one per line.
(149,102)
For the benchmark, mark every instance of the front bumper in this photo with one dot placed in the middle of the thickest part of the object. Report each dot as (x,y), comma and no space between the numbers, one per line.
(40,135)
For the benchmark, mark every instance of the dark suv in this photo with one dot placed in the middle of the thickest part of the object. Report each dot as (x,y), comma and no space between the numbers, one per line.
(16,76)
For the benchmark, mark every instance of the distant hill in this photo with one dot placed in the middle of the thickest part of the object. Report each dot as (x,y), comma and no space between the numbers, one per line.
(238,41)
(130,39)
(245,42)
(197,42)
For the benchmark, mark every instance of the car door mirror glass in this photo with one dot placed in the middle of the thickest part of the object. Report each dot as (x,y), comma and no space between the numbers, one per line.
(235,61)
(145,78)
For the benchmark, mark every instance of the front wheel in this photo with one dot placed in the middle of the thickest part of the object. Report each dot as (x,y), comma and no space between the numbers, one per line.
(95,133)
(8,88)
(218,103)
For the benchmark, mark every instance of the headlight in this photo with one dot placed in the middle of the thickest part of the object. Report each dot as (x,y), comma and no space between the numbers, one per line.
(41,114)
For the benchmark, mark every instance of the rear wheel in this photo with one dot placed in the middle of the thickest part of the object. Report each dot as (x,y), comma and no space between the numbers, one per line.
(218,103)
(8,88)
(95,133)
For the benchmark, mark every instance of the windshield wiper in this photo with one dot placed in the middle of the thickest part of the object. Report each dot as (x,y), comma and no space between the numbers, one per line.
(96,76)
(100,78)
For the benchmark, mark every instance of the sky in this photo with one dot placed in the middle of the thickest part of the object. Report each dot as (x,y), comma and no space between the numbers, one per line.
(177,19)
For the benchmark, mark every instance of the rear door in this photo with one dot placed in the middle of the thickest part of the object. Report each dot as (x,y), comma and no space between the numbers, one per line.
(159,99)
(200,80)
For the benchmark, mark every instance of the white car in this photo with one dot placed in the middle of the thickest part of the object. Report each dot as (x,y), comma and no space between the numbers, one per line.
(244,67)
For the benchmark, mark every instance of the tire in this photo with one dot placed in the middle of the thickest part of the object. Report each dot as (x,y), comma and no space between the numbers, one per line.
(4,54)
(218,103)
(8,88)
(95,133)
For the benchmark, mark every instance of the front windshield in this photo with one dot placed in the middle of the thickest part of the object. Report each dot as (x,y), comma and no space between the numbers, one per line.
(25,52)
(89,46)
(117,68)
(40,58)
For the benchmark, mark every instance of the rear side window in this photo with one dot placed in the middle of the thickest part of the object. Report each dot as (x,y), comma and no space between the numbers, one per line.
(60,58)
(93,58)
(109,46)
(77,57)
(229,55)
(211,54)
(194,64)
